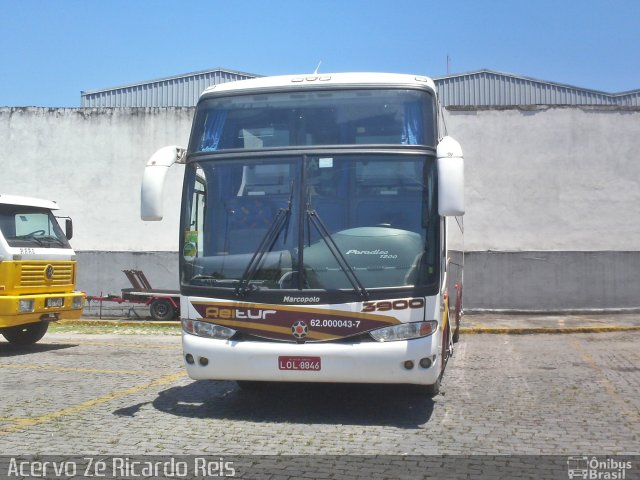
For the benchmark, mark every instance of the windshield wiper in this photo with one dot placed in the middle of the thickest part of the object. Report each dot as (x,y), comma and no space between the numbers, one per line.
(279,222)
(29,236)
(317,222)
(51,239)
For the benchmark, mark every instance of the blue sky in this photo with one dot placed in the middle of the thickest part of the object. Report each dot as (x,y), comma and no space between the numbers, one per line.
(51,50)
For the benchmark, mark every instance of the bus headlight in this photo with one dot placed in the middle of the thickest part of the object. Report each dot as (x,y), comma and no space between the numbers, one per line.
(404,331)
(208,330)
(26,306)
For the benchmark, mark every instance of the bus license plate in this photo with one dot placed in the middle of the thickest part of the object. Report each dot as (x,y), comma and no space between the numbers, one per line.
(54,302)
(299,363)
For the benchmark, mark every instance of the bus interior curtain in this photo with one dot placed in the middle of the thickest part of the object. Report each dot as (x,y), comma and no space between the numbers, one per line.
(412,129)
(230,179)
(213,127)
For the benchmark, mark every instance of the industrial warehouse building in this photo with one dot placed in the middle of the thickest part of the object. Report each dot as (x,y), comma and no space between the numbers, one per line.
(477,89)
(552,192)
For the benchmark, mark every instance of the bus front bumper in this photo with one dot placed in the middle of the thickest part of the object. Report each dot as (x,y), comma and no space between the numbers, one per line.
(367,362)
(23,309)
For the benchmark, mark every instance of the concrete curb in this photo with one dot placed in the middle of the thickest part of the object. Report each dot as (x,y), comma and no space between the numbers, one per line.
(119,323)
(535,330)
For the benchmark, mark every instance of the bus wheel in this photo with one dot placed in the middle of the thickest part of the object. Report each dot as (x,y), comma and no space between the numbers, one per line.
(447,348)
(26,334)
(456,331)
(433,390)
(428,390)
(161,310)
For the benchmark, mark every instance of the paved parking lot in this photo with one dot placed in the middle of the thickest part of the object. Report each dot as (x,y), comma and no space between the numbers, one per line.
(566,394)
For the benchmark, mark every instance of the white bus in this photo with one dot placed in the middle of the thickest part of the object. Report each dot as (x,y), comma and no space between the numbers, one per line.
(317,215)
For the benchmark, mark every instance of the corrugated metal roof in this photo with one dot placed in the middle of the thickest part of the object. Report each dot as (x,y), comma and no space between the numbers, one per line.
(473,89)
(177,91)
(490,88)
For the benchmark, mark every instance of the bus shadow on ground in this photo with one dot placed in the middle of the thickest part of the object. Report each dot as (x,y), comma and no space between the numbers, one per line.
(381,405)
(12,350)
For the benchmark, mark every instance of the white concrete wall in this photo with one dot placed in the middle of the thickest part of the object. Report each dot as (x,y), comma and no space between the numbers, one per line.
(558,179)
(91,162)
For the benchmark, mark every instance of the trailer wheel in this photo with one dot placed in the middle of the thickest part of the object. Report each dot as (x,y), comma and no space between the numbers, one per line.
(162,309)
(26,334)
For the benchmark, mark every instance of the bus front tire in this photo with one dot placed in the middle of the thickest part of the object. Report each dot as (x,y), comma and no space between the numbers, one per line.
(26,334)
(428,391)
(432,390)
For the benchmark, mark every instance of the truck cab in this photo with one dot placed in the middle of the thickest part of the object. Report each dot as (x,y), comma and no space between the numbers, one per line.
(37,269)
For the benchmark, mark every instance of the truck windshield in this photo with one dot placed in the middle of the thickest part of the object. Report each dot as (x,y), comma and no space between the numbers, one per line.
(23,226)
(324,117)
(346,222)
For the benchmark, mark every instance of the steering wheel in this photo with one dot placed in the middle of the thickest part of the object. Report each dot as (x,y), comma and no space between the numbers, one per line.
(35,232)
(287,280)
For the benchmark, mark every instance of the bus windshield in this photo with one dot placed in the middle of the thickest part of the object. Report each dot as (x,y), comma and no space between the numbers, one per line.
(311,222)
(322,117)
(32,227)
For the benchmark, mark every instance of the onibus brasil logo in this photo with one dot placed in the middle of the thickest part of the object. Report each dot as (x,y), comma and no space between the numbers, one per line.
(597,469)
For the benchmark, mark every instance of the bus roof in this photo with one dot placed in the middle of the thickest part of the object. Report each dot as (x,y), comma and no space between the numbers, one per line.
(28,202)
(318,80)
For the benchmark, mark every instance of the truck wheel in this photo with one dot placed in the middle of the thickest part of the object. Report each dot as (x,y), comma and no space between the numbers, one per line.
(26,334)
(161,310)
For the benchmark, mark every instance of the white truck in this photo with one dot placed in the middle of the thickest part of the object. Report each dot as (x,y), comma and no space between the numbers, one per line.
(37,269)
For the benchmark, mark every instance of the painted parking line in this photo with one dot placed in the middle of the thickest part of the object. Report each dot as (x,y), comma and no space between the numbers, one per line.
(73,369)
(608,385)
(24,423)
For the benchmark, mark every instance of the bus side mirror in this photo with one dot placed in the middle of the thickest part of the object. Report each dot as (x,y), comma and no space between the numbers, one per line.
(450,178)
(155,174)
(68,228)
